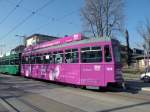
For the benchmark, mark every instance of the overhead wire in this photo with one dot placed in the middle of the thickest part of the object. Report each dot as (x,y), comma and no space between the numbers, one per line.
(11,12)
(49,18)
(36,12)
(27,18)
(55,20)
(29,10)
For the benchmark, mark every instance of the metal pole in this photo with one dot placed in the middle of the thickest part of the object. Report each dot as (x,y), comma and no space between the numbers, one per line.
(148,51)
(107,17)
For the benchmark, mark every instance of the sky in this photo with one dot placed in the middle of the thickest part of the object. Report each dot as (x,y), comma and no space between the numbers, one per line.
(136,12)
(58,18)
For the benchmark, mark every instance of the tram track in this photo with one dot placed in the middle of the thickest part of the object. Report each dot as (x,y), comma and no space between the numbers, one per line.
(130,93)
(8,105)
(23,105)
(31,105)
(112,92)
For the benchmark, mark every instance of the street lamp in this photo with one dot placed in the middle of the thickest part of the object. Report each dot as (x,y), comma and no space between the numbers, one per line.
(24,37)
(24,42)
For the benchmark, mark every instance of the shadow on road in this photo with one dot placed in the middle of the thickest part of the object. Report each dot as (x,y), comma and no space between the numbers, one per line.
(137,85)
(133,87)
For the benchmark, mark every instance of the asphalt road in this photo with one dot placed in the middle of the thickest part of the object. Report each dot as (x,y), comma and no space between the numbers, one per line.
(18,94)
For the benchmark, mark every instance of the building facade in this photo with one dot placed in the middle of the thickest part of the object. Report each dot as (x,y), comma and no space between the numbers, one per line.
(38,38)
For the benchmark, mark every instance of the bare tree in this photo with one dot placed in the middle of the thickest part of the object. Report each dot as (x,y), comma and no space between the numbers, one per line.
(103,17)
(144,31)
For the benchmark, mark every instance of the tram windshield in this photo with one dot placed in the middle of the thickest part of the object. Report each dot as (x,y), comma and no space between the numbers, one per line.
(117,55)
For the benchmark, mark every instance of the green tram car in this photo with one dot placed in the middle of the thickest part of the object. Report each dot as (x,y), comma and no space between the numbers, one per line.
(10,64)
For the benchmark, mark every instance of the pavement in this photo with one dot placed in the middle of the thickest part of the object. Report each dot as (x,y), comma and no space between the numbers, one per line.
(132,81)
(137,85)
(18,94)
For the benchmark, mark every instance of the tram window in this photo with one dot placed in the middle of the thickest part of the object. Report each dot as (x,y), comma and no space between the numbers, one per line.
(68,50)
(68,56)
(116,51)
(27,60)
(39,59)
(60,52)
(107,54)
(16,61)
(42,58)
(32,59)
(23,60)
(55,52)
(71,56)
(12,62)
(75,56)
(51,58)
(91,55)
(6,62)
(85,48)
(58,57)
(96,48)
(3,62)
(74,50)
(47,58)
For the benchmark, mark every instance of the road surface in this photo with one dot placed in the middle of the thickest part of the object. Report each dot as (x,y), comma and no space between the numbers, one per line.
(18,94)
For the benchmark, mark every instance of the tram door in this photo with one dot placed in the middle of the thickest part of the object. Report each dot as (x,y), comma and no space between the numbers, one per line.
(92,68)
(109,64)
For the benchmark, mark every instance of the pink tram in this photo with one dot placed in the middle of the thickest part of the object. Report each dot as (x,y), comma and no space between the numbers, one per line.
(74,60)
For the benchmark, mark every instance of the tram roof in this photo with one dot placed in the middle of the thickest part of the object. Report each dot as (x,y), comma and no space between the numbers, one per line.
(10,56)
(83,41)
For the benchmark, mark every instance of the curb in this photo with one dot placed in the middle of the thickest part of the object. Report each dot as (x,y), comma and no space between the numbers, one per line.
(146,89)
